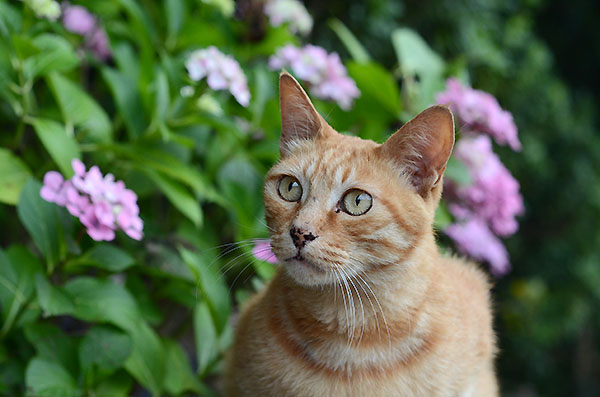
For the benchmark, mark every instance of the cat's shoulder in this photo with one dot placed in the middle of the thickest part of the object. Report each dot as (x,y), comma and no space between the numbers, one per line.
(465,274)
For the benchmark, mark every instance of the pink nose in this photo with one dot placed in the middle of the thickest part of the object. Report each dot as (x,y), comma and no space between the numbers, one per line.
(300,236)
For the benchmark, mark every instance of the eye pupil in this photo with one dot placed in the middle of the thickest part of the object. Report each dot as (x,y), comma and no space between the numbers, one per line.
(357,200)
(291,186)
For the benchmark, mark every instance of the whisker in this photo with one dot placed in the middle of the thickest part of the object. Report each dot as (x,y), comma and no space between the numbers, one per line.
(362,311)
(380,308)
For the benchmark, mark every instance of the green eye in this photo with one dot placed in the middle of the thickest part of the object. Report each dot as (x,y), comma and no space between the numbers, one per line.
(356,202)
(289,188)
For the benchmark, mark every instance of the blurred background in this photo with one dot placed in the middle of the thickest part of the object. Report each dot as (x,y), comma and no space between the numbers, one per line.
(105,306)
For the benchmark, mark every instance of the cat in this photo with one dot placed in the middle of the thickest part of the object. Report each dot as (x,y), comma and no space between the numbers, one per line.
(363,303)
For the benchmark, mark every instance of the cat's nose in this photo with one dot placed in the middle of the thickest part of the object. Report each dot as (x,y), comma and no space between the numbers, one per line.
(301,236)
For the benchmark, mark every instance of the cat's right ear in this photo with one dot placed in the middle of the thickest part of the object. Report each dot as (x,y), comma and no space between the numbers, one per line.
(423,146)
(299,118)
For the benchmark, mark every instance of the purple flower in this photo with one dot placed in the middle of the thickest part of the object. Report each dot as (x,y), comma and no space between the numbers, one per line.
(222,72)
(493,194)
(55,188)
(479,112)
(102,204)
(475,239)
(291,12)
(325,73)
(262,251)
(79,20)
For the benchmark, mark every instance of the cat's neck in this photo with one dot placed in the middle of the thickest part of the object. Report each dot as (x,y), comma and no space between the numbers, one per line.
(368,301)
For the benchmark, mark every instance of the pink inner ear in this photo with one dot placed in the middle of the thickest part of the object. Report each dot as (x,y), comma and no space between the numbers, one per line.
(423,145)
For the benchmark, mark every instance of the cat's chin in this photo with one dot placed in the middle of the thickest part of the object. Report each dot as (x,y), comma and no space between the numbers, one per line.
(305,272)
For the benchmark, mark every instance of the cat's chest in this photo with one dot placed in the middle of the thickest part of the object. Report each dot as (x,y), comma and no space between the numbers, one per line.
(350,347)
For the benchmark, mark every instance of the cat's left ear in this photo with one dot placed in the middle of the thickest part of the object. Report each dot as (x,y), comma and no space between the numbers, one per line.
(299,118)
(423,146)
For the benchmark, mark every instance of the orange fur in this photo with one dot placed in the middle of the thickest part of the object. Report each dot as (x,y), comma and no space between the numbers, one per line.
(367,306)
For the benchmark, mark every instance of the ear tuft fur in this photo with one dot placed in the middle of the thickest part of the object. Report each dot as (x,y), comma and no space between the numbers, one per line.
(423,146)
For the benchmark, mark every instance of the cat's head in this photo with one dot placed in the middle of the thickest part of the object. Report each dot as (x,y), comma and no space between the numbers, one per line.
(337,205)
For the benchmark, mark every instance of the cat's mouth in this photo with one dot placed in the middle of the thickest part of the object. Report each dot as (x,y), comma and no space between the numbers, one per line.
(303,261)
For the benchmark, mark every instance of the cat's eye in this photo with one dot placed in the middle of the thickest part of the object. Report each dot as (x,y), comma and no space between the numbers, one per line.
(356,202)
(289,188)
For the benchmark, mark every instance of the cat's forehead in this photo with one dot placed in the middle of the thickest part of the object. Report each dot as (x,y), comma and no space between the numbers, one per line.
(332,162)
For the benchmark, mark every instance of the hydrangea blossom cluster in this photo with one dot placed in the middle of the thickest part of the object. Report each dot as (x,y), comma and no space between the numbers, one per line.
(291,12)
(485,209)
(102,204)
(222,72)
(493,194)
(325,73)
(79,20)
(479,112)
(262,251)
(474,238)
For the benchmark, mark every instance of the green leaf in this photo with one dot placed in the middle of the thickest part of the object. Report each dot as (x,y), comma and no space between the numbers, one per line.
(150,157)
(104,301)
(147,360)
(175,10)
(162,100)
(52,344)
(212,286)
(179,376)
(117,385)
(13,175)
(376,85)
(106,256)
(442,217)
(105,347)
(17,271)
(52,300)
(179,196)
(55,54)
(61,146)
(40,218)
(356,50)
(263,91)
(241,184)
(225,6)
(128,101)
(80,109)
(206,337)
(458,172)
(414,55)
(416,58)
(45,378)
(10,19)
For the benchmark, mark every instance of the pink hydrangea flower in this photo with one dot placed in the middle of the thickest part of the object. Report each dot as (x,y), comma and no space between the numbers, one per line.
(291,12)
(79,20)
(478,111)
(493,194)
(222,72)
(102,204)
(262,251)
(475,239)
(325,73)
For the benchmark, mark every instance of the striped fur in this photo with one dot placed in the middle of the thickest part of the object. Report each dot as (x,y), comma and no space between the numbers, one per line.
(374,309)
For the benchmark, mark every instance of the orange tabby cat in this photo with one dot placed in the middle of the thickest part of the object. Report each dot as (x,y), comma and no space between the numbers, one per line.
(363,303)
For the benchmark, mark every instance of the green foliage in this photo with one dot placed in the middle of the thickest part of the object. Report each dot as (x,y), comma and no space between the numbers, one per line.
(79,317)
